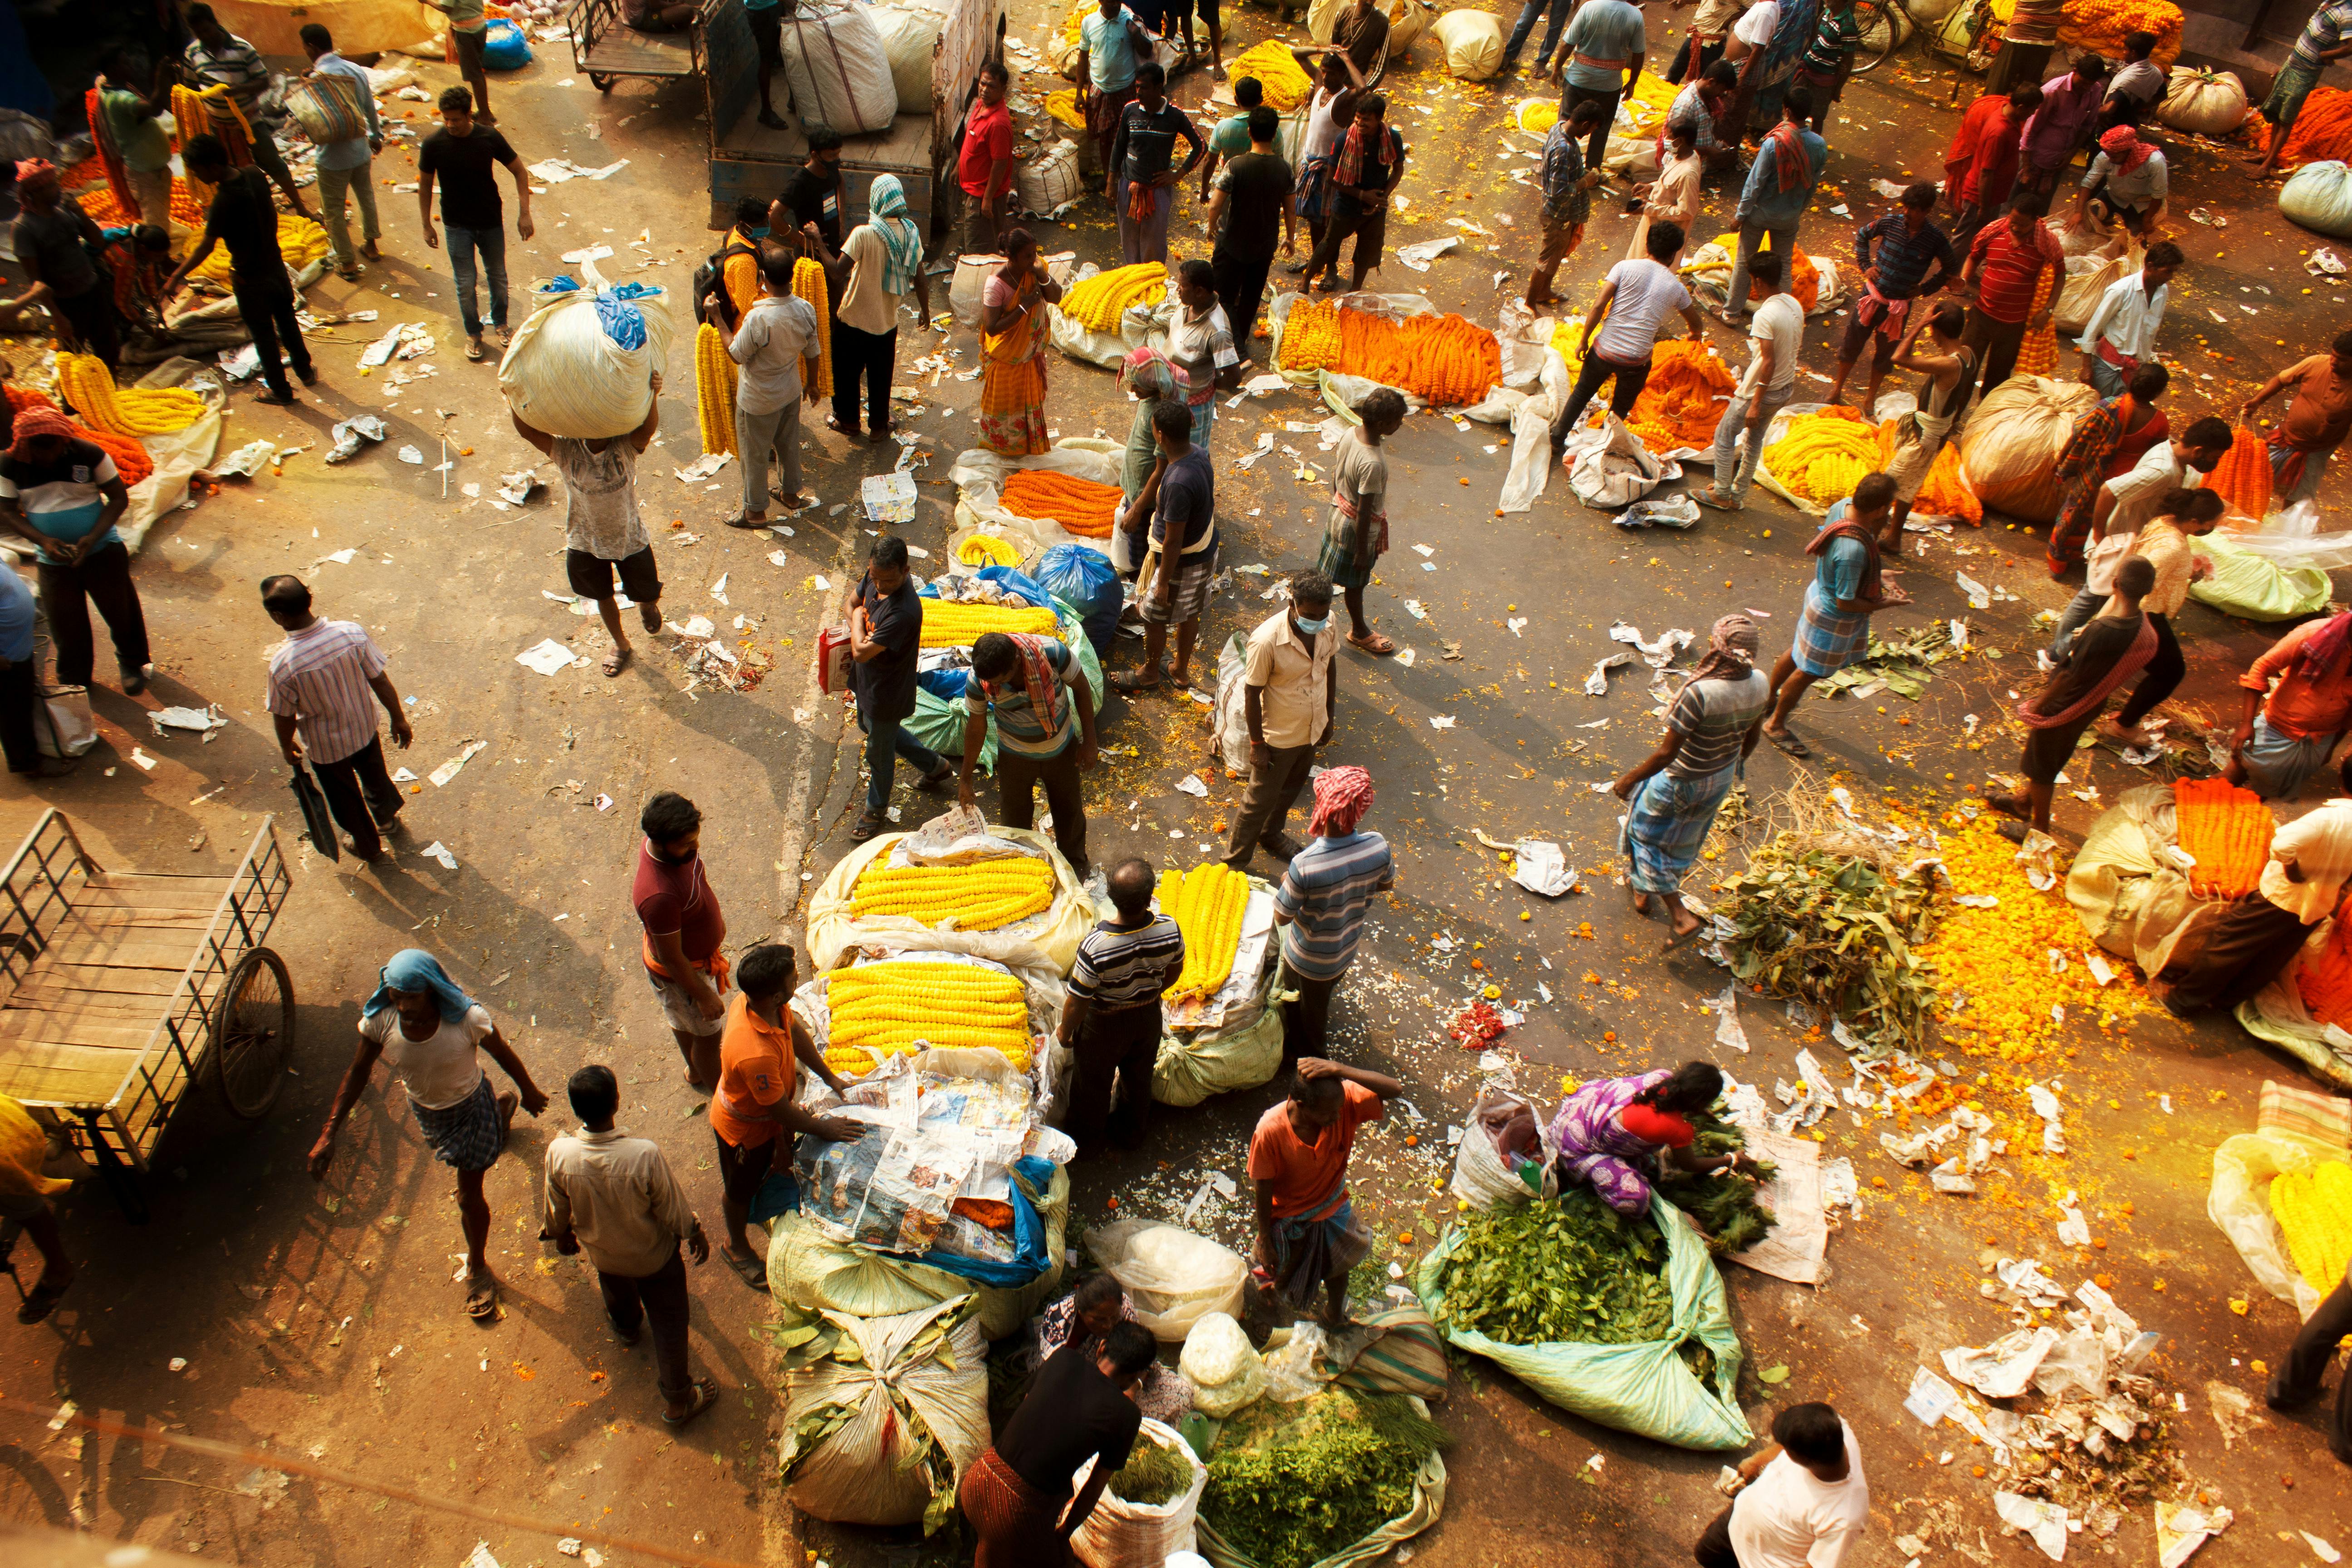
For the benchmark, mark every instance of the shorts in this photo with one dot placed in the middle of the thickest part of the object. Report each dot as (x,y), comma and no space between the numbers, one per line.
(768,32)
(678,1009)
(591,576)
(1858,334)
(1558,240)
(741,1170)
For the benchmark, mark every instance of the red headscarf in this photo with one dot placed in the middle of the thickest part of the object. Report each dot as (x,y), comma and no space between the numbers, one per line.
(2124,149)
(1342,795)
(32,172)
(32,424)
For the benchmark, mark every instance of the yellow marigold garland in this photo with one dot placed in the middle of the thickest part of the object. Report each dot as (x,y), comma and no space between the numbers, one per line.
(978,896)
(1822,456)
(1286,82)
(947,623)
(1097,302)
(881,1009)
(817,369)
(2314,1210)
(714,389)
(90,387)
(1310,335)
(1206,904)
(987,550)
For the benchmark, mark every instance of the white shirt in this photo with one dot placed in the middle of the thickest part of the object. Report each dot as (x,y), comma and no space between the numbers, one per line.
(1780,321)
(1647,294)
(2320,841)
(1757,27)
(2140,490)
(2141,82)
(1786,1519)
(2127,316)
(440,1071)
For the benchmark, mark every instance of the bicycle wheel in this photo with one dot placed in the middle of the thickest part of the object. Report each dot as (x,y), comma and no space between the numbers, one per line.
(254,1034)
(1882,32)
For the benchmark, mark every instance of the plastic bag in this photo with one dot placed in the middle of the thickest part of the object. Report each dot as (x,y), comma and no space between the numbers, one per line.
(1123,1534)
(1195,1063)
(1083,578)
(1173,1277)
(840,73)
(908,39)
(504,47)
(871,1470)
(1473,44)
(2239,1201)
(1225,1370)
(1483,1177)
(1610,468)
(1645,1388)
(572,370)
(2009,449)
(2245,583)
(2319,196)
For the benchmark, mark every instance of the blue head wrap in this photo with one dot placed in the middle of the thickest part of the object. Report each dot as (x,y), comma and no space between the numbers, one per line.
(412,969)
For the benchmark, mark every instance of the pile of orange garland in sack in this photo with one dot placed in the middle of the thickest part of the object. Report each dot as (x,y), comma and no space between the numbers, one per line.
(1444,361)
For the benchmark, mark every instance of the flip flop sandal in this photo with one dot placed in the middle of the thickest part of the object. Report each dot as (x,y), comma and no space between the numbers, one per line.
(482,1301)
(706,1394)
(1789,746)
(475,351)
(1374,643)
(750,1270)
(616,661)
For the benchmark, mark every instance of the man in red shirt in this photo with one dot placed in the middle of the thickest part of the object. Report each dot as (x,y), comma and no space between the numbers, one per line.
(1307,1237)
(2289,730)
(985,164)
(1981,166)
(684,929)
(2004,267)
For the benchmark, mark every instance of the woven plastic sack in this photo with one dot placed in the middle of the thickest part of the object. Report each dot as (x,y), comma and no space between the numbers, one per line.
(2209,102)
(2128,897)
(2080,296)
(1195,1063)
(2319,197)
(581,365)
(1173,1277)
(1081,577)
(840,73)
(834,926)
(1123,1534)
(1224,1368)
(868,1470)
(2246,583)
(1645,1388)
(2008,450)
(1049,180)
(1473,44)
(908,38)
(1408,19)
(504,47)
(1229,723)
(1481,1179)
(1428,1505)
(327,108)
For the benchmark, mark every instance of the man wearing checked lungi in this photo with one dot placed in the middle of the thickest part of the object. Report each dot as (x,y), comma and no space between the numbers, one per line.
(1307,1237)
(1834,627)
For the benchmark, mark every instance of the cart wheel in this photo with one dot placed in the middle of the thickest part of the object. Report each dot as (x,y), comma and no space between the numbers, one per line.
(254,1034)
(604,83)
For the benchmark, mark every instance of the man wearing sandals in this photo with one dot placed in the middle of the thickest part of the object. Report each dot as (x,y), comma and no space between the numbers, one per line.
(460,157)
(603,534)
(345,168)
(1845,592)
(430,1034)
(615,1198)
(1358,533)
(1289,695)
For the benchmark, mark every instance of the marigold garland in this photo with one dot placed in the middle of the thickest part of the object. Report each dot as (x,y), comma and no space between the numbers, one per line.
(130,458)
(715,377)
(1097,302)
(1822,456)
(987,550)
(878,1010)
(948,624)
(2227,830)
(1310,335)
(2322,132)
(1444,361)
(1286,83)
(2243,479)
(1804,278)
(2325,980)
(2314,1210)
(981,896)
(1206,904)
(817,369)
(2101,26)
(90,387)
(102,207)
(1081,506)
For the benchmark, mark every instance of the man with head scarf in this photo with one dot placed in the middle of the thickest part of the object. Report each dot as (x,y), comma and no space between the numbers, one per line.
(430,1034)
(885,256)
(54,242)
(61,493)
(1672,794)
(2128,178)
(1321,900)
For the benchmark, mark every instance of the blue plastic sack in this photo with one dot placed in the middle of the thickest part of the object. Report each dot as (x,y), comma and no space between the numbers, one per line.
(1084,579)
(1011,577)
(504,47)
(622,320)
(1029,1255)
(946,683)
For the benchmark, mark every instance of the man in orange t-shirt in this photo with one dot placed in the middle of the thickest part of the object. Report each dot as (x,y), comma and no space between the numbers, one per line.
(1307,1232)
(761,1053)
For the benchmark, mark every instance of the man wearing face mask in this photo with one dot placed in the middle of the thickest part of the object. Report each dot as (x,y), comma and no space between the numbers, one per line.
(1289,694)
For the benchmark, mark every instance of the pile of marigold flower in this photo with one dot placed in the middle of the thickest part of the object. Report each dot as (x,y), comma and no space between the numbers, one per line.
(881,1009)
(90,387)
(1097,302)
(2243,479)
(948,623)
(130,458)
(1682,402)
(1803,277)
(2324,980)
(2101,26)
(2322,132)
(1822,456)
(1943,493)
(1279,75)
(1206,904)
(980,896)
(1310,336)
(1444,361)
(104,208)
(2227,831)
(1081,506)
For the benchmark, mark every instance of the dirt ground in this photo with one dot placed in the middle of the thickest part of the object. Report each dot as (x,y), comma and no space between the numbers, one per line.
(320,1321)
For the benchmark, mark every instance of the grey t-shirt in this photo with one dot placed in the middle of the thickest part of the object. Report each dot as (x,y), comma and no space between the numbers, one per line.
(777,331)
(600,491)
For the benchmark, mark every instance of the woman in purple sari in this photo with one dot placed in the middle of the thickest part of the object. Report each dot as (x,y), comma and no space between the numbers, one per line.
(1613,1132)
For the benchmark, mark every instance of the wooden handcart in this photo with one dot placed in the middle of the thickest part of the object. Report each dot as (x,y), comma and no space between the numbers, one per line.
(604,47)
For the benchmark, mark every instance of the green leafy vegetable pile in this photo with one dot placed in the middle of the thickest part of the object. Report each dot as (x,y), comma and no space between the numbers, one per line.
(1290,1485)
(1723,1204)
(1837,930)
(1575,1271)
(1152,1476)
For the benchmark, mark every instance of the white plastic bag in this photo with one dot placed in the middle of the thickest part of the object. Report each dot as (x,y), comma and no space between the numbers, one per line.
(1173,1277)
(1123,1534)
(2319,196)
(2239,1201)
(1225,1370)
(1481,1179)
(909,40)
(566,373)
(63,725)
(839,72)
(1473,44)
(1611,468)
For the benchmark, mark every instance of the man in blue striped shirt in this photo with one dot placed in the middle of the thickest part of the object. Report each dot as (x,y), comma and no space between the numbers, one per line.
(1045,714)
(1907,246)
(1320,903)
(1110,1020)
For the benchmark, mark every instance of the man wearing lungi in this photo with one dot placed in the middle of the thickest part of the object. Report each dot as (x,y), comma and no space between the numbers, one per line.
(1017,1493)
(1845,592)
(1306,1231)
(1913,258)
(2290,729)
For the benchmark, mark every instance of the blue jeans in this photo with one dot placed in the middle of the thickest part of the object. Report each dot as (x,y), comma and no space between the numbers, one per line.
(2106,378)
(886,741)
(1526,25)
(492,244)
(1735,466)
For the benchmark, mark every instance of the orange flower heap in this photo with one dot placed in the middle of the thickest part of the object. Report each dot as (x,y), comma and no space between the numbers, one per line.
(1444,361)
(1081,506)
(2227,830)
(2325,980)
(2102,26)
(2323,130)
(2244,479)
(1310,336)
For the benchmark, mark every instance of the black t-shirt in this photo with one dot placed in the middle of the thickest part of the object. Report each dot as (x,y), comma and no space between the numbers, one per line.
(816,198)
(1257,187)
(1151,135)
(245,218)
(463,165)
(2089,656)
(1072,1412)
(58,243)
(885,687)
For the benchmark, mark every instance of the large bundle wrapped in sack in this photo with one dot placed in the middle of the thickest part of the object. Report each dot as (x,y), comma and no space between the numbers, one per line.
(1242,1050)
(1407,20)
(2128,884)
(2009,449)
(2319,197)
(908,39)
(1473,41)
(840,73)
(583,364)
(1225,1035)
(2246,582)
(2086,280)
(1173,1277)
(1047,938)
(882,1415)
(1048,181)
(1123,1534)
(1507,1153)
(2209,102)
(1610,468)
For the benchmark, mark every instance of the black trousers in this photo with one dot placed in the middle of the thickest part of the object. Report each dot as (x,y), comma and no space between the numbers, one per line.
(1017,779)
(2016,65)
(1630,379)
(359,796)
(91,312)
(1995,344)
(1714,1548)
(2223,962)
(658,1299)
(103,579)
(1306,1021)
(2307,1364)
(20,699)
(1241,288)
(873,355)
(2161,678)
(1121,1046)
(1273,790)
(268,313)
(1686,68)
(1598,142)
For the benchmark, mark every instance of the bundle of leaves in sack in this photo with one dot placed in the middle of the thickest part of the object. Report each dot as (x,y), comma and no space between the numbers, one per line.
(1152,1477)
(1722,1202)
(1290,1485)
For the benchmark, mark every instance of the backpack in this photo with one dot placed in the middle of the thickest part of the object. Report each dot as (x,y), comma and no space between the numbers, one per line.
(710,278)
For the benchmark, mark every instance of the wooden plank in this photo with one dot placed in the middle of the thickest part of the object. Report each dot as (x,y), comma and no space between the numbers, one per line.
(625,51)
(155,893)
(60,1000)
(154,984)
(67,1084)
(27,1028)
(103,918)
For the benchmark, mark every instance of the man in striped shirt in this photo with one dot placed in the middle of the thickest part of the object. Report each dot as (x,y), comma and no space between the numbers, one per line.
(1908,244)
(1110,1021)
(2004,265)
(217,57)
(2324,39)
(1044,733)
(1321,901)
(320,679)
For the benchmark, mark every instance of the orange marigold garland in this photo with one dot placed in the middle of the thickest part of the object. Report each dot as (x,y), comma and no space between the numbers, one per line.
(2227,831)
(1444,361)
(2323,130)
(1943,493)
(2325,978)
(1081,506)
(2244,479)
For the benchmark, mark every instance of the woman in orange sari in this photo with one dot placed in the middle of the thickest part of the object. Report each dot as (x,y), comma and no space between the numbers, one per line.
(1013,342)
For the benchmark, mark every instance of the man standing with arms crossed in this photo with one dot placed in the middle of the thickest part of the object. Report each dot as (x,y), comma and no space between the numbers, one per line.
(683,931)
(319,681)
(461,156)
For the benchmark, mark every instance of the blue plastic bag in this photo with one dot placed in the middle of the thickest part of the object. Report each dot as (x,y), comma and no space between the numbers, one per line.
(1084,579)
(504,47)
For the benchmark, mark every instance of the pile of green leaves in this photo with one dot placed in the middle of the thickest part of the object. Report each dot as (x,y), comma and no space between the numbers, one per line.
(809,1346)
(1837,931)
(1905,662)
(1723,1204)
(1573,1271)
(1290,1485)
(1152,1476)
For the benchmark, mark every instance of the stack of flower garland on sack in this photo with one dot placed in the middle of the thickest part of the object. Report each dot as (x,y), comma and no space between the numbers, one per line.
(979,895)
(1444,361)
(90,387)
(714,389)
(881,1009)
(130,458)
(948,623)
(1081,506)
(987,550)
(1283,81)
(1097,302)
(1682,402)
(1206,904)
(2100,26)
(2314,1210)
(1943,493)
(1804,278)
(1822,456)
(2227,830)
